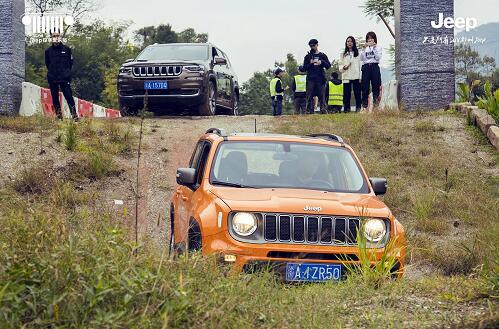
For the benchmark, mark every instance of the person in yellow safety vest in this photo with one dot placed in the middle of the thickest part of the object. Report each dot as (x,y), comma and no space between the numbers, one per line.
(277,92)
(334,94)
(299,87)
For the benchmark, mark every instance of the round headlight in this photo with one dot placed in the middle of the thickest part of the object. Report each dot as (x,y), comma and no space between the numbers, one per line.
(374,229)
(244,223)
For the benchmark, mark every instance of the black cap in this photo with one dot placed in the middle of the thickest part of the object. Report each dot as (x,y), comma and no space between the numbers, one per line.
(278,70)
(301,68)
(313,42)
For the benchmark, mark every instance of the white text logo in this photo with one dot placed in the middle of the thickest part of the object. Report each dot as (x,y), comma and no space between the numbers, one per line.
(47,23)
(467,23)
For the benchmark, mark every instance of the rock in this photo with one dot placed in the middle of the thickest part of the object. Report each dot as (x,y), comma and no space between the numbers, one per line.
(483,120)
(493,136)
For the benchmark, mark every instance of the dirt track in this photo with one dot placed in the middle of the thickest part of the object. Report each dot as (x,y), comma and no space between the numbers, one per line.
(167,145)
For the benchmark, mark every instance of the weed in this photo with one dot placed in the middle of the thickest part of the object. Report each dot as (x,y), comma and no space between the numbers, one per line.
(70,140)
(38,179)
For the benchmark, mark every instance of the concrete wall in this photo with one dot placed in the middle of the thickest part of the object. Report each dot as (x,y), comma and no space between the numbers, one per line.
(425,72)
(12,55)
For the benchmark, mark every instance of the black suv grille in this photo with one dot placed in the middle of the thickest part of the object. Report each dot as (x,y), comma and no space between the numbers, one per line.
(310,229)
(156,71)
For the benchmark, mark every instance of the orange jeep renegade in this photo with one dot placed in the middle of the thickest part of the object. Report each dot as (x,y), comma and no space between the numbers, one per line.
(295,203)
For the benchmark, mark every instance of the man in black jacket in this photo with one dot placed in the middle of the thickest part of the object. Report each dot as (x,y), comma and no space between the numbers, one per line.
(315,64)
(59,61)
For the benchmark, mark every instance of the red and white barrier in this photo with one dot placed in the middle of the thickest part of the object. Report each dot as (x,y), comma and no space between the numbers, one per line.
(38,100)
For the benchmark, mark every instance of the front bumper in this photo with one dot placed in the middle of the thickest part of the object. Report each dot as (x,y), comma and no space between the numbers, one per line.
(252,257)
(181,90)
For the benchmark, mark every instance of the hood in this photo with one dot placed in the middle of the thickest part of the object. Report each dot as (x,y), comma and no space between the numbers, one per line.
(336,81)
(301,201)
(168,62)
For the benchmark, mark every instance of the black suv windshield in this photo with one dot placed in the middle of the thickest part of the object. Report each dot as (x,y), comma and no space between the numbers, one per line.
(174,52)
(287,165)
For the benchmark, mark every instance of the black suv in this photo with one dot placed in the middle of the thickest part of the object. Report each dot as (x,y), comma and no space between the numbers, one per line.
(179,75)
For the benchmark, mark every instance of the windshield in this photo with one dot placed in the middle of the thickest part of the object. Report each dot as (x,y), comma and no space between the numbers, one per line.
(174,52)
(287,165)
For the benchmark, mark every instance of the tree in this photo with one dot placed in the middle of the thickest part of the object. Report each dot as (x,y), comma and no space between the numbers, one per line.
(374,8)
(165,34)
(470,65)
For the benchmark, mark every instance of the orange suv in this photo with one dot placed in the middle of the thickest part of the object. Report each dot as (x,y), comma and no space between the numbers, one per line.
(295,203)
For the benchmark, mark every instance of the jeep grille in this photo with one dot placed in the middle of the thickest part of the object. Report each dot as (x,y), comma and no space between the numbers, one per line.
(310,229)
(155,71)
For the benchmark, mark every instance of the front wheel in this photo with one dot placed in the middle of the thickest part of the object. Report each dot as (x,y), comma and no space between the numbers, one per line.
(209,105)
(235,105)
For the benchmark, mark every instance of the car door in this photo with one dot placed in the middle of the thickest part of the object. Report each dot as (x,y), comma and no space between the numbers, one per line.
(222,81)
(185,194)
(229,78)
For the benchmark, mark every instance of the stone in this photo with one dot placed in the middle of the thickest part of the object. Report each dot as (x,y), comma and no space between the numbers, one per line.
(12,55)
(425,71)
(483,120)
(493,136)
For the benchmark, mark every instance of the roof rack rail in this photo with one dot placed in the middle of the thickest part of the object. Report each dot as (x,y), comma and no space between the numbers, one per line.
(329,136)
(216,131)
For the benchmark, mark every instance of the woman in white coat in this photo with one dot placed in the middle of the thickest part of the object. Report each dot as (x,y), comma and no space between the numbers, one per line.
(351,74)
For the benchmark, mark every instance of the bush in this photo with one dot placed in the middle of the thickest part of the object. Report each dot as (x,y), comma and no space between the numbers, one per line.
(490,102)
(70,140)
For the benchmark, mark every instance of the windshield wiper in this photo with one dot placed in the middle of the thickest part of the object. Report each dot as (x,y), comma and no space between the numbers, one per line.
(142,60)
(232,184)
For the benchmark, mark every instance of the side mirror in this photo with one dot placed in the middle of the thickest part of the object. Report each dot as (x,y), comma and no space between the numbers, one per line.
(129,60)
(380,185)
(220,61)
(186,176)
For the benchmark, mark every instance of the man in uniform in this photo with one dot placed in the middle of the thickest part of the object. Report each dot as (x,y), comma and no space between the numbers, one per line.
(299,87)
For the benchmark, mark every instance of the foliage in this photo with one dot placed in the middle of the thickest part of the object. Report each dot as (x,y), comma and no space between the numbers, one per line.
(165,34)
(384,7)
(490,101)
(465,91)
(71,138)
(469,64)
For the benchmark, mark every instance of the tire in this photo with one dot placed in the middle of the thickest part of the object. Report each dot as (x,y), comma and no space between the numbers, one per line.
(195,241)
(128,110)
(209,105)
(235,104)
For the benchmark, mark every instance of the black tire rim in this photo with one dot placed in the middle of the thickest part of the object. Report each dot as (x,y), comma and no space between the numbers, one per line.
(236,106)
(212,102)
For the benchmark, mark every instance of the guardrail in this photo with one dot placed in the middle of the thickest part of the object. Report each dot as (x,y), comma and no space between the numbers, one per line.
(38,100)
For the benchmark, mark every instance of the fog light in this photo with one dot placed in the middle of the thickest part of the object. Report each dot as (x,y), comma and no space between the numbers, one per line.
(230,258)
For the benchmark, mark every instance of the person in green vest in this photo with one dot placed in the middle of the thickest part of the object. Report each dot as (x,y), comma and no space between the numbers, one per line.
(277,92)
(334,94)
(299,87)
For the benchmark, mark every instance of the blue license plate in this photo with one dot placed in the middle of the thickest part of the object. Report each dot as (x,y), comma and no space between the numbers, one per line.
(155,85)
(307,272)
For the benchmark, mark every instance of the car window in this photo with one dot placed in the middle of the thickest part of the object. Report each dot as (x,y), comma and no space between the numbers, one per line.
(288,165)
(202,161)
(196,155)
(214,52)
(174,52)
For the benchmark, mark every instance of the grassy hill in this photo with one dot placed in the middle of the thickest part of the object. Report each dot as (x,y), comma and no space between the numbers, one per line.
(68,262)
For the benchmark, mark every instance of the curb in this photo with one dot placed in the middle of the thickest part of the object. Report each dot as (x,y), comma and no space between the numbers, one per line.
(481,119)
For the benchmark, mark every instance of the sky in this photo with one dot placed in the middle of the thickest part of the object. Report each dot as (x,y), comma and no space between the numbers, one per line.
(256,33)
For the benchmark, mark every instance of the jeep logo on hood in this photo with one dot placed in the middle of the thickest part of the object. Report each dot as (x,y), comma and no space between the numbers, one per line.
(310,208)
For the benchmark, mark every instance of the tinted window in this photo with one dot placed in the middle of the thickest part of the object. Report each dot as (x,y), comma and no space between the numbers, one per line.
(288,165)
(174,52)
(195,156)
